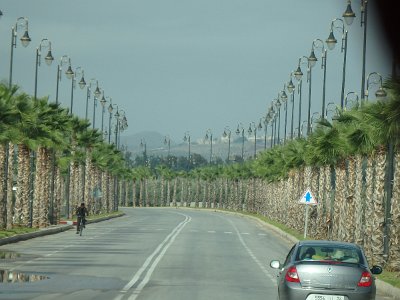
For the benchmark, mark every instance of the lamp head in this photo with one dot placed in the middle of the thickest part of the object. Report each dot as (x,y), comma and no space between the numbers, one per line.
(349,14)
(331,41)
(49,58)
(25,39)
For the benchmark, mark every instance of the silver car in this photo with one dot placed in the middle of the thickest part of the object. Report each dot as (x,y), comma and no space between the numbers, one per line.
(325,270)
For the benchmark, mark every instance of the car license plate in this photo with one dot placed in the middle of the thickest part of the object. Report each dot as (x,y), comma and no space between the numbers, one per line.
(325,297)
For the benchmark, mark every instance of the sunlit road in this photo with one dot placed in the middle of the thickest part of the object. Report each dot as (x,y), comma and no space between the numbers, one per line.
(151,254)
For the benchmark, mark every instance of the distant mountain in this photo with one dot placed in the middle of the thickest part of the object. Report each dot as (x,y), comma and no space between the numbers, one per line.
(154,143)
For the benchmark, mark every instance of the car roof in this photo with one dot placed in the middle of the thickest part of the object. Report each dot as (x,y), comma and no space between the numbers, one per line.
(326,242)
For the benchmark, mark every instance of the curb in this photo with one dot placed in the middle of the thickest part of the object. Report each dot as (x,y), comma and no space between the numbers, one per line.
(63,226)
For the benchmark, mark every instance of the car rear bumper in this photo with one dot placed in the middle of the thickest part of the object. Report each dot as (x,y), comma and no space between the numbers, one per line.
(299,293)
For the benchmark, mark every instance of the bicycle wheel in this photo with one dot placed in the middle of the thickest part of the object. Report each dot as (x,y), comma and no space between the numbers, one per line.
(81,227)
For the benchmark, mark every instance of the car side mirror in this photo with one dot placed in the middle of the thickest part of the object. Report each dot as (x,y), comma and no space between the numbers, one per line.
(376,270)
(275,264)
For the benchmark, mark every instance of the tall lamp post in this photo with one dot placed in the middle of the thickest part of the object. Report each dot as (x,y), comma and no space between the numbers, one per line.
(82,84)
(328,109)
(349,16)
(69,73)
(278,105)
(380,93)
(103,102)
(209,136)
(265,126)
(253,129)
(331,42)
(240,129)
(48,59)
(143,145)
(315,116)
(323,66)
(291,87)
(186,138)
(96,93)
(110,110)
(346,100)
(283,96)
(167,141)
(271,115)
(298,74)
(25,39)
(227,133)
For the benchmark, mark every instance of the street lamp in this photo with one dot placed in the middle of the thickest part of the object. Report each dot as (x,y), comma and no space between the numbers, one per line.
(277,104)
(349,16)
(240,129)
(227,133)
(69,73)
(123,124)
(25,39)
(324,55)
(298,74)
(291,87)
(283,96)
(271,116)
(167,141)
(143,145)
(209,136)
(110,110)
(82,84)
(301,127)
(328,109)
(380,93)
(346,99)
(48,59)
(315,116)
(253,128)
(103,102)
(265,126)
(186,137)
(97,94)
(331,42)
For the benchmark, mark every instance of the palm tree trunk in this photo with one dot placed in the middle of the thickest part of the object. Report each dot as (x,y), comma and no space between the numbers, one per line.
(350,201)
(378,233)
(339,205)
(369,191)
(21,213)
(10,184)
(2,186)
(394,244)
(359,210)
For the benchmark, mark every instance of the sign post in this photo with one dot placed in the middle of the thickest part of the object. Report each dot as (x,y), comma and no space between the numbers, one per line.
(307,199)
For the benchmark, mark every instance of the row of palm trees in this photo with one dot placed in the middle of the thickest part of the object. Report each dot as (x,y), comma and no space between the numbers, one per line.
(50,161)
(54,161)
(352,166)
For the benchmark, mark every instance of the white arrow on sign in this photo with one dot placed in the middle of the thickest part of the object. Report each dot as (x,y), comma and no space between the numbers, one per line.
(308,198)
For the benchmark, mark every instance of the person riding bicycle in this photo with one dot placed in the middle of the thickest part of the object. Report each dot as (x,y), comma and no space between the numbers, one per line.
(81,212)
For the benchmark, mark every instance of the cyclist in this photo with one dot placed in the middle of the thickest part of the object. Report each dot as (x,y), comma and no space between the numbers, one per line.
(81,212)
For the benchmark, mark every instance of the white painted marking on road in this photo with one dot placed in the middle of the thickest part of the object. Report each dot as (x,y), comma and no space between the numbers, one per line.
(262,234)
(245,233)
(272,278)
(211,231)
(160,250)
(228,232)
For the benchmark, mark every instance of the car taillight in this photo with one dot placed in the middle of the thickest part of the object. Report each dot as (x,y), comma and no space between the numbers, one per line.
(366,279)
(291,275)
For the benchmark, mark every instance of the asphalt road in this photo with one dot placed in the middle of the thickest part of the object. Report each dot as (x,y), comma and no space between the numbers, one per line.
(151,253)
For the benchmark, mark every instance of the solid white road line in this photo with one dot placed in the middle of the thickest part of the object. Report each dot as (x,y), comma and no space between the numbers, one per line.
(162,248)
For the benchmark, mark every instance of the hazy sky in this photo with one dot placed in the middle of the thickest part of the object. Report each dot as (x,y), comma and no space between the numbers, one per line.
(186,65)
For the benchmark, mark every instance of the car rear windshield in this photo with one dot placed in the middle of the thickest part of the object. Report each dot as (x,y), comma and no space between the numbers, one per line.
(339,253)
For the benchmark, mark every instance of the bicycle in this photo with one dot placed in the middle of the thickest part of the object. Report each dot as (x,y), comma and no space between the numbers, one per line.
(81,225)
